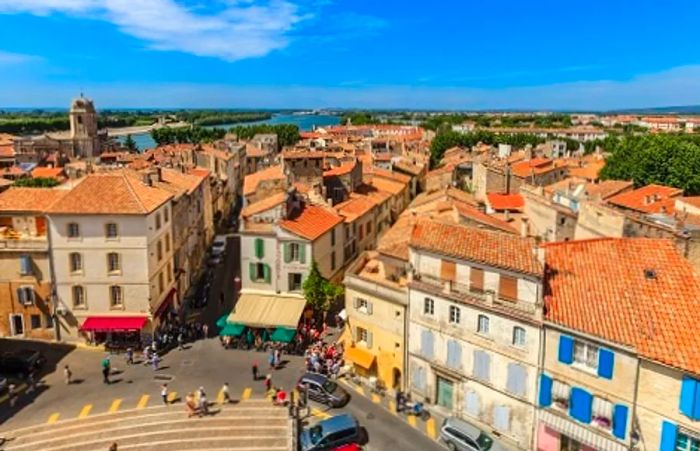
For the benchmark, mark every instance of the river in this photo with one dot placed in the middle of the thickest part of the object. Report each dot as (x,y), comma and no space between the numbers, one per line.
(305,122)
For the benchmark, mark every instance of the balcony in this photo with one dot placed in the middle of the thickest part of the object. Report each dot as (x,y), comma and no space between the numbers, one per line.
(11,240)
(464,291)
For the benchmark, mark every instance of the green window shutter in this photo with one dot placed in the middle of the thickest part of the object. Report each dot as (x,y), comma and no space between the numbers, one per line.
(302,252)
(287,248)
(259,248)
(251,267)
(266,272)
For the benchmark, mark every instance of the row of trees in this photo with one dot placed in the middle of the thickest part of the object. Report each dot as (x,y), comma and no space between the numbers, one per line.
(667,159)
(182,135)
(446,139)
(287,134)
(212,117)
(441,121)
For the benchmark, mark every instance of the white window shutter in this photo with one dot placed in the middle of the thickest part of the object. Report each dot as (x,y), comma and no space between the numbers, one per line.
(501,418)
(369,339)
(355,303)
(369,308)
(472,404)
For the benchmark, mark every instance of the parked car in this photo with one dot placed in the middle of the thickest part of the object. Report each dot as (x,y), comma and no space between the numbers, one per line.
(218,247)
(459,435)
(323,390)
(21,362)
(330,434)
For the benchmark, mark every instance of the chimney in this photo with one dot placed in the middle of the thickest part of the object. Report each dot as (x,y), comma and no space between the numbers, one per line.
(524,226)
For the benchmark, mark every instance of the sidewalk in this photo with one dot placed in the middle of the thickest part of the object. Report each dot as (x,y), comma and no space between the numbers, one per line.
(429,428)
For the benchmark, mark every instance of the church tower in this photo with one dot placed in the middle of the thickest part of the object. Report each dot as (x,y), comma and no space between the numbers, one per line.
(83,128)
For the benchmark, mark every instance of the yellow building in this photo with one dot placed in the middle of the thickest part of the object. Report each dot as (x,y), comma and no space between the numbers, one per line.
(375,303)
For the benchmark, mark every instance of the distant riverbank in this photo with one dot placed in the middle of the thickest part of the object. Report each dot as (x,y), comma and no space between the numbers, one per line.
(305,122)
(141,129)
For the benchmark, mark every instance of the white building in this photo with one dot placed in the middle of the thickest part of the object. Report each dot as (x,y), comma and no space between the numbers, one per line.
(112,242)
(474,326)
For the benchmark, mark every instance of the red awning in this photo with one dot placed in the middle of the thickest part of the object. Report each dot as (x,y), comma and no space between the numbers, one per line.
(103,323)
(166,302)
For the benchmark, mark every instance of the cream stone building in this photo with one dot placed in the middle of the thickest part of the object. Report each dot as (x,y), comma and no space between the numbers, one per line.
(474,326)
(112,248)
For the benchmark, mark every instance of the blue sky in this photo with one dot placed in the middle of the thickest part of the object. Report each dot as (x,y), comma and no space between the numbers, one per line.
(452,54)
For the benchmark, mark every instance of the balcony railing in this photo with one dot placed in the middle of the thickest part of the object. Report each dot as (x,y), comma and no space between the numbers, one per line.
(489,297)
(24,244)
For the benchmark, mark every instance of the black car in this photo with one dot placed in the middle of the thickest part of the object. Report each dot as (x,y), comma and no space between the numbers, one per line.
(321,389)
(21,362)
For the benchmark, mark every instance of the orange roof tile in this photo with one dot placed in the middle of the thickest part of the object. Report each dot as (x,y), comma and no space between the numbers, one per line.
(7,151)
(293,154)
(187,182)
(263,205)
(253,151)
(343,169)
(690,200)
(211,150)
(355,207)
(499,201)
(390,175)
(648,199)
(390,186)
(250,183)
(477,215)
(117,192)
(608,188)
(491,248)
(534,166)
(29,199)
(51,173)
(604,287)
(591,171)
(311,222)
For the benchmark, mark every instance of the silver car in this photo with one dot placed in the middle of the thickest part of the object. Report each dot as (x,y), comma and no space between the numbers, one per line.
(459,435)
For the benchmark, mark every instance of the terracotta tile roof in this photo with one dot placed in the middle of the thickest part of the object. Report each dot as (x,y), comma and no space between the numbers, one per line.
(250,183)
(477,215)
(535,166)
(211,150)
(12,170)
(603,287)
(294,154)
(390,186)
(690,200)
(444,169)
(51,173)
(311,222)
(115,192)
(491,248)
(608,188)
(499,201)
(201,172)
(343,169)
(648,199)
(411,168)
(253,151)
(390,175)
(355,207)
(591,171)
(29,199)
(7,151)
(264,204)
(187,182)
(394,242)
(376,194)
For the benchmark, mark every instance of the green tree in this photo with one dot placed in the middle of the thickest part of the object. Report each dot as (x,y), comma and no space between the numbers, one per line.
(36,182)
(130,144)
(318,291)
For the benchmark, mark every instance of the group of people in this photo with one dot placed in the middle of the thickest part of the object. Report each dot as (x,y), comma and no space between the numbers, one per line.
(325,358)
(196,403)
(174,333)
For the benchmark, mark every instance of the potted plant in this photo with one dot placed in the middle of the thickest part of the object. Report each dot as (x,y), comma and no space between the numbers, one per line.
(602,422)
(562,403)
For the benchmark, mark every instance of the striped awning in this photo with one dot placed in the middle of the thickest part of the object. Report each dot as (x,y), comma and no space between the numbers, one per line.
(579,433)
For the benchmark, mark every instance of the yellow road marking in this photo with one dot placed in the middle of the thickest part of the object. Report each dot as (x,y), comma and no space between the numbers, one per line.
(246,393)
(53,418)
(392,407)
(375,398)
(172,396)
(359,390)
(430,428)
(115,405)
(320,413)
(142,402)
(412,420)
(220,397)
(85,411)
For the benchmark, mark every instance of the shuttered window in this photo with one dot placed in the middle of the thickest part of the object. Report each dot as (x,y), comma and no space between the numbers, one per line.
(448,271)
(426,344)
(508,288)
(517,379)
(472,403)
(482,365)
(476,279)
(501,418)
(454,354)
(259,248)
(418,379)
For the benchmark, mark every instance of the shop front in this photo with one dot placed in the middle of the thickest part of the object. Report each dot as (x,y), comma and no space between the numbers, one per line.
(115,332)
(363,361)
(556,433)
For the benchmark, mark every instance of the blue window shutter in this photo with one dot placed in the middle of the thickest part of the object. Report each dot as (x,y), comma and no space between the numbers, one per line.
(581,403)
(619,421)
(545,390)
(668,436)
(566,349)
(606,363)
(688,391)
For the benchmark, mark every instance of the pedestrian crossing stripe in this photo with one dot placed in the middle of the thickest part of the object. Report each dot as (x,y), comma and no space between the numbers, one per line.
(53,418)
(172,396)
(375,398)
(392,407)
(85,411)
(412,420)
(142,402)
(115,405)
(320,413)
(430,428)
(246,393)
(359,390)
(220,397)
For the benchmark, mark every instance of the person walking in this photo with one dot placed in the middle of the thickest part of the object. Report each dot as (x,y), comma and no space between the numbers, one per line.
(67,375)
(225,393)
(164,393)
(255,371)
(155,360)
(106,369)
(12,394)
(181,341)
(205,331)
(271,360)
(113,446)
(277,354)
(129,356)
(203,403)
(268,382)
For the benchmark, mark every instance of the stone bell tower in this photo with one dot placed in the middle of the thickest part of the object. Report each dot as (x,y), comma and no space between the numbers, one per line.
(83,128)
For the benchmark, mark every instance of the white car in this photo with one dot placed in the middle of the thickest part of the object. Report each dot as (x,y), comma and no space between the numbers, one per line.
(218,247)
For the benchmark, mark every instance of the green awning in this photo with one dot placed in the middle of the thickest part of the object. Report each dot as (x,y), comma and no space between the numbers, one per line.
(283,335)
(232,330)
(221,322)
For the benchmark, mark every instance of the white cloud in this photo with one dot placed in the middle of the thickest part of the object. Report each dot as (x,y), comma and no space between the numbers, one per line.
(241,29)
(9,58)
